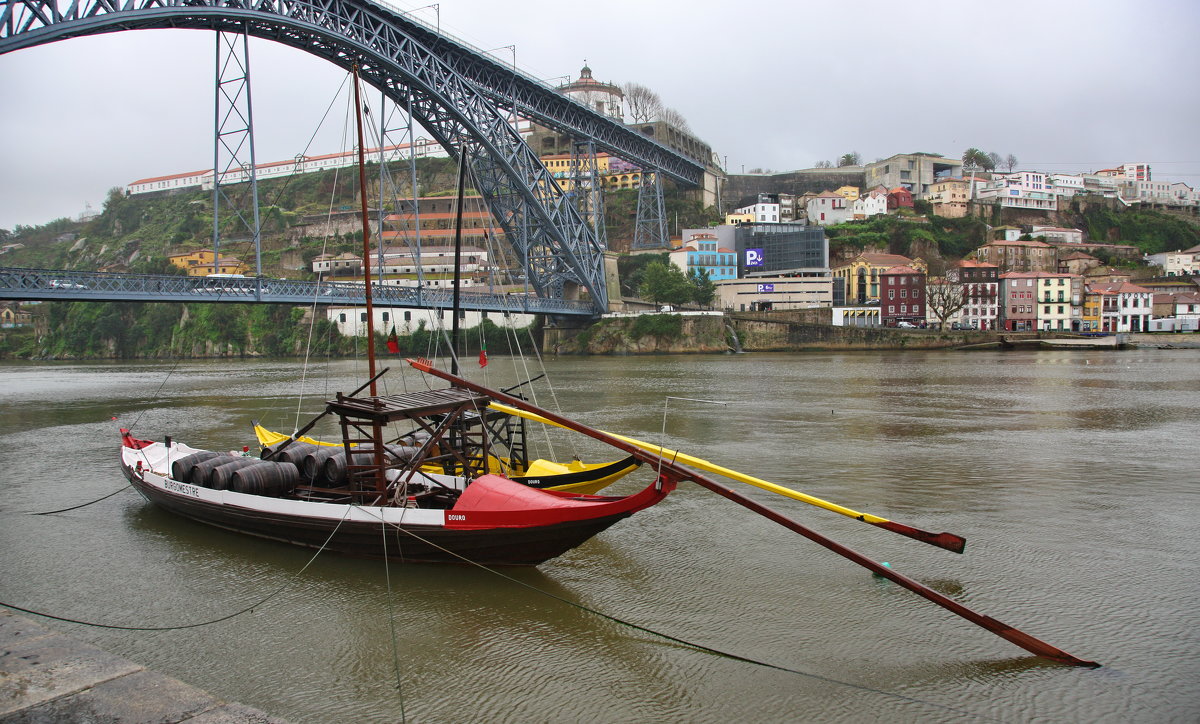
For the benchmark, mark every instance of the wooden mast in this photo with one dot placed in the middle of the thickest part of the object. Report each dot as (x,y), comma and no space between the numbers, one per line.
(366,230)
(458,214)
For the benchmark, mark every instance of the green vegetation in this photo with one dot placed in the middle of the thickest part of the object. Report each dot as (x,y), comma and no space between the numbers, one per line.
(953,238)
(1149,230)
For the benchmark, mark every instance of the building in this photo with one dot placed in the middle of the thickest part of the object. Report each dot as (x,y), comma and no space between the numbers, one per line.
(1019,256)
(760,294)
(950,197)
(1058,309)
(980,284)
(1018,299)
(344,264)
(1021,190)
(1177,263)
(828,208)
(1057,234)
(872,203)
(421,148)
(605,98)
(900,198)
(702,253)
(200,263)
(352,321)
(431,220)
(11,315)
(1178,312)
(1125,307)
(763,210)
(794,250)
(1077,263)
(861,275)
(915,172)
(902,296)
(614,173)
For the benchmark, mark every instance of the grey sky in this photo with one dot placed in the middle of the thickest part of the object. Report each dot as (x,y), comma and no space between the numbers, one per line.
(1064,85)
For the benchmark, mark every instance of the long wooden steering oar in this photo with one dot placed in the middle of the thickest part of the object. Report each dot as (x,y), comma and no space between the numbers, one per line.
(949,541)
(679,472)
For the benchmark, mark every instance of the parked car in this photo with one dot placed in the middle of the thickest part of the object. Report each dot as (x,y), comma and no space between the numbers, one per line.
(906,325)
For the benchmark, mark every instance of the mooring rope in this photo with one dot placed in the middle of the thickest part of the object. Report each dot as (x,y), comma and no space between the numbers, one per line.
(248,609)
(702,648)
(84,505)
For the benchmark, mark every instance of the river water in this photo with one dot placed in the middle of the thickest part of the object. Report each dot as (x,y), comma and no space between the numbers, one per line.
(1072,475)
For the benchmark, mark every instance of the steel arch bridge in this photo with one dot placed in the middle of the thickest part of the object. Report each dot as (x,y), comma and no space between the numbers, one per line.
(459,95)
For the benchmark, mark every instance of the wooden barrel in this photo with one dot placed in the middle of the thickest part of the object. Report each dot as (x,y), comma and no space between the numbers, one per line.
(293,453)
(313,464)
(199,472)
(181,469)
(218,477)
(265,478)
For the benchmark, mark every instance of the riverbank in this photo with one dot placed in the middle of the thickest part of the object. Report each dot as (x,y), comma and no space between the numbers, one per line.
(47,676)
(796,331)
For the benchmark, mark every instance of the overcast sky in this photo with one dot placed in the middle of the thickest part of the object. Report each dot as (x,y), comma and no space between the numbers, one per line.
(1063,85)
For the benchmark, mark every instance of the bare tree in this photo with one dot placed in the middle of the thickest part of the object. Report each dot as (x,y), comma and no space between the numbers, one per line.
(849,159)
(675,118)
(995,159)
(944,298)
(1010,162)
(823,164)
(644,104)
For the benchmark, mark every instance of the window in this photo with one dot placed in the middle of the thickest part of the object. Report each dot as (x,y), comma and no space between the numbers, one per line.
(385,316)
(891,309)
(408,316)
(362,316)
(342,317)
(904,294)
(891,294)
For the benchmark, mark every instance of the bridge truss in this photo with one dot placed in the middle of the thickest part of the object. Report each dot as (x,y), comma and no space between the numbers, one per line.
(460,95)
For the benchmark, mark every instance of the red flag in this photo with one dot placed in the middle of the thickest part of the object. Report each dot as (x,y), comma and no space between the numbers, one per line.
(393,344)
(483,354)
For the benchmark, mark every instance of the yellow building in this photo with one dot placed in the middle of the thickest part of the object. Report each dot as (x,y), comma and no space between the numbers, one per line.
(614,173)
(849,192)
(1090,318)
(734,219)
(1054,302)
(949,197)
(862,274)
(200,263)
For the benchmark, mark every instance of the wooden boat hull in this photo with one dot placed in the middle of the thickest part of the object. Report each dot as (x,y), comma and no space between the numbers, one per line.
(550,525)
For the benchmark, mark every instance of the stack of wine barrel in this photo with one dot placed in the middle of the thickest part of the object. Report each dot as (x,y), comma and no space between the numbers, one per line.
(279,469)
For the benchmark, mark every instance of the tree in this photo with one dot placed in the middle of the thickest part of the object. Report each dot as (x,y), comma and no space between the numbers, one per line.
(849,159)
(994,159)
(1010,162)
(975,158)
(663,282)
(944,298)
(704,289)
(823,164)
(675,118)
(644,104)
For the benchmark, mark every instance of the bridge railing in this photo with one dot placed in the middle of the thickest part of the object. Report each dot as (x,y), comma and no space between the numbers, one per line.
(56,284)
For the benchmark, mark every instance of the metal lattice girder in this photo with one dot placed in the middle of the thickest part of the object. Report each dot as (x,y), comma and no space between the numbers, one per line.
(59,285)
(459,111)
(587,188)
(650,229)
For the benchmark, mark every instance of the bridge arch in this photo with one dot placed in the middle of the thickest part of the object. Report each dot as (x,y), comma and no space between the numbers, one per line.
(558,249)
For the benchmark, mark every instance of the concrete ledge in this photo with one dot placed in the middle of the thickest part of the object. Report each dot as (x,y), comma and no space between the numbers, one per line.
(48,677)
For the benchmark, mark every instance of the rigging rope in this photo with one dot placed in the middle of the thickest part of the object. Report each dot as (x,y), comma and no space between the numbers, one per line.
(702,648)
(248,609)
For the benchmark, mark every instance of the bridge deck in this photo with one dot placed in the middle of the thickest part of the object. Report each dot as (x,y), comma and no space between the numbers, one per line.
(58,285)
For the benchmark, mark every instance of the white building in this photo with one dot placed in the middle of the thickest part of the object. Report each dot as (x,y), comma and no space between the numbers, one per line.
(872,203)
(759,294)
(1058,234)
(765,210)
(352,321)
(423,147)
(828,208)
(1124,307)
(1176,263)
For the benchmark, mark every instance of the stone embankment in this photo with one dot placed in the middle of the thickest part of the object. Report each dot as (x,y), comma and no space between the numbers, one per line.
(711,332)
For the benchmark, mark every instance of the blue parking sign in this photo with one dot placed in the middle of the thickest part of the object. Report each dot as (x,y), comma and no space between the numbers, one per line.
(754,257)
